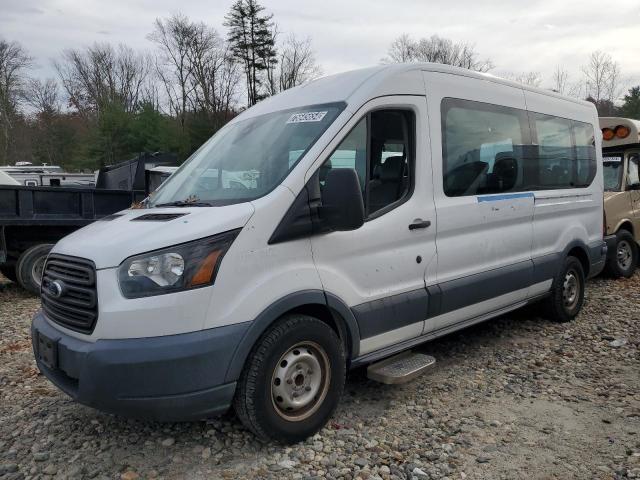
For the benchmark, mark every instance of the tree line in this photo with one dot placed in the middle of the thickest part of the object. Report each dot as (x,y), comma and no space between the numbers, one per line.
(108,102)
(600,79)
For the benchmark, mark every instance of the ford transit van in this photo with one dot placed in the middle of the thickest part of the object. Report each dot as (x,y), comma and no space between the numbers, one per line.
(328,227)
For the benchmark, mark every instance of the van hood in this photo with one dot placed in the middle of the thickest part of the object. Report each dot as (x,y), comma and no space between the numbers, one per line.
(110,240)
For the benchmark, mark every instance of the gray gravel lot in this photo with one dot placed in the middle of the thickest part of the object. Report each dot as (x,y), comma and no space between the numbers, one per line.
(516,397)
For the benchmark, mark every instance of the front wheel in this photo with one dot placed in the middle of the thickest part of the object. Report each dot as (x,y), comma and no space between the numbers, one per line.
(625,258)
(293,380)
(567,292)
(30,266)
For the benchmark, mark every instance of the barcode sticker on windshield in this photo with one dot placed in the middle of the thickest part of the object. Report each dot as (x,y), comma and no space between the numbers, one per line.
(306,117)
(611,159)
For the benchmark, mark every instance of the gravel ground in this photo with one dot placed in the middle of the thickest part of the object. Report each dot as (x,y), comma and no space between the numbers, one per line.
(517,397)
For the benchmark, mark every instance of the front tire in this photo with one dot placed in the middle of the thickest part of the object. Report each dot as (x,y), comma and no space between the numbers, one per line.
(625,259)
(31,265)
(567,292)
(293,380)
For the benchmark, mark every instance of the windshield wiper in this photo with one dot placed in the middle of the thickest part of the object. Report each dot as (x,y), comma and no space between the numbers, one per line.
(184,203)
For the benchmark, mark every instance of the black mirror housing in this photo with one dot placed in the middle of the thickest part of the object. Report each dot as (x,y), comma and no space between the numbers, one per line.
(342,205)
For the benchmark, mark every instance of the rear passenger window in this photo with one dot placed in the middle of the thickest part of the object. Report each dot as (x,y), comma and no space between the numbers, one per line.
(482,148)
(555,151)
(379,148)
(488,149)
(585,153)
(566,153)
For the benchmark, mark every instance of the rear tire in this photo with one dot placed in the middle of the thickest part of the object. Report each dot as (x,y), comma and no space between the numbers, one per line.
(292,381)
(625,258)
(9,271)
(567,292)
(31,265)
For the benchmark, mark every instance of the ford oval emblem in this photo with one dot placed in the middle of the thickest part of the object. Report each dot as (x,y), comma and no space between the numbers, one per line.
(55,288)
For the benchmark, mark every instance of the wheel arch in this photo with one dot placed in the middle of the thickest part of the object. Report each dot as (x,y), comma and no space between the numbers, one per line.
(326,307)
(579,250)
(625,224)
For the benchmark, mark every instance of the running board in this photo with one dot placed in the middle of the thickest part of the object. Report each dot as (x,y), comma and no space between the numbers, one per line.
(401,368)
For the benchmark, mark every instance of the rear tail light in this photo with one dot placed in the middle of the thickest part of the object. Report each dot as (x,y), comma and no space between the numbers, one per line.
(622,131)
(608,134)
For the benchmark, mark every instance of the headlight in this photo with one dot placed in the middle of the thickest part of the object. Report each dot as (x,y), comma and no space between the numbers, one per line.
(182,267)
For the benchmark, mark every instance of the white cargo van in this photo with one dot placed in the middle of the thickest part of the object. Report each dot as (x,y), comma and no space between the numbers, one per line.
(378,209)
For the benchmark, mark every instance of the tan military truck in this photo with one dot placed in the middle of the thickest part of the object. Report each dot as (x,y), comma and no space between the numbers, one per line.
(621,157)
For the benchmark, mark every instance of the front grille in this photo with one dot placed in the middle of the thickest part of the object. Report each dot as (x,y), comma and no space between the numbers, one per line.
(68,292)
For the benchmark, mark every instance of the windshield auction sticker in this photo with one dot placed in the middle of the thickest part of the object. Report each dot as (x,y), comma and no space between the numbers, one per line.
(306,117)
(611,159)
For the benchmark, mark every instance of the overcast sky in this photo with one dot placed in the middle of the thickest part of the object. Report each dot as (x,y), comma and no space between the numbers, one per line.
(518,35)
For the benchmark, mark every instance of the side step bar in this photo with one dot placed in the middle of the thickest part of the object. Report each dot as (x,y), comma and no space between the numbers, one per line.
(401,368)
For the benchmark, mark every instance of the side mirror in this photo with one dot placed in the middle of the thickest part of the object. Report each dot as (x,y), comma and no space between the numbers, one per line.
(342,205)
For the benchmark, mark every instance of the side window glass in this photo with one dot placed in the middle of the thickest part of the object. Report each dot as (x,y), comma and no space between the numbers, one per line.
(482,148)
(378,148)
(585,154)
(351,153)
(389,159)
(633,177)
(555,151)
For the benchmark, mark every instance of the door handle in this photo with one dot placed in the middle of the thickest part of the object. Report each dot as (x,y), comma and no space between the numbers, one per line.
(419,223)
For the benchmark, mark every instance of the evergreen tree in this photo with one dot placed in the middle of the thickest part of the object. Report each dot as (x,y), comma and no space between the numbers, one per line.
(252,39)
(631,106)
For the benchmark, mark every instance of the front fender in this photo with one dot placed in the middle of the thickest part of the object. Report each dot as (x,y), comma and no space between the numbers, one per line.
(277,309)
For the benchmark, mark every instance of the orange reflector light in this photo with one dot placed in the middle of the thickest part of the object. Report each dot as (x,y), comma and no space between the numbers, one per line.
(608,134)
(622,131)
(205,271)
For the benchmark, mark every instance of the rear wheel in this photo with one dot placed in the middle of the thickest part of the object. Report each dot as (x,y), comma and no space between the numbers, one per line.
(31,265)
(567,292)
(293,380)
(625,259)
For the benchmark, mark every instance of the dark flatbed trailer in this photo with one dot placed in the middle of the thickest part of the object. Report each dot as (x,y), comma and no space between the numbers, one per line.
(33,219)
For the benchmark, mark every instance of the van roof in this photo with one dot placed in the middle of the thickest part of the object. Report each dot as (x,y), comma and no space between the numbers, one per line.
(366,83)
(613,122)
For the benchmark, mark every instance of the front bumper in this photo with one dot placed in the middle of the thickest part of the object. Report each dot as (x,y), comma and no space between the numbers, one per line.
(169,378)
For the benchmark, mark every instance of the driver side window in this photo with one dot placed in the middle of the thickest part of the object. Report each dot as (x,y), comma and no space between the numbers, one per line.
(379,148)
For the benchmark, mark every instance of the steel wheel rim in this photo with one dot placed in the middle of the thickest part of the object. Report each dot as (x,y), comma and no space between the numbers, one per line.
(570,290)
(37,269)
(300,381)
(624,255)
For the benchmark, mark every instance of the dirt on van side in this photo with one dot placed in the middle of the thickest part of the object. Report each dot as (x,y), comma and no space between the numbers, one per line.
(514,398)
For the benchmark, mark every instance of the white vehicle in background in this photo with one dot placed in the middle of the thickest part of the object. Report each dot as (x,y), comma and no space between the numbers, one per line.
(6,179)
(334,225)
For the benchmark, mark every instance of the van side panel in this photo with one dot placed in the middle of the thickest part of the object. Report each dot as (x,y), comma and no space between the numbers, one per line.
(574,215)
(477,233)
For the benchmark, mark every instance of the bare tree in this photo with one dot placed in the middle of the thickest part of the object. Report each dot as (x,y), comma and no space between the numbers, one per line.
(560,80)
(101,75)
(43,96)
(401,50)
(436,49)
(296,65)
(173,36)
(215,75)
(602,77)
(532,79)
(14,60)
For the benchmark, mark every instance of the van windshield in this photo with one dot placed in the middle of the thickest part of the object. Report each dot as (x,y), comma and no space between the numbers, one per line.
(612,171)
(247,159)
